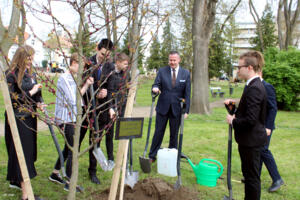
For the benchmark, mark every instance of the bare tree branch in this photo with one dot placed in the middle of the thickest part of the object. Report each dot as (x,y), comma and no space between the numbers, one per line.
(229,15)
(258,24)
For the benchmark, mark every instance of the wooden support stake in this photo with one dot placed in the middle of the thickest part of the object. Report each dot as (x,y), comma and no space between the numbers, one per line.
(123,145)
(15,134)
(124,171)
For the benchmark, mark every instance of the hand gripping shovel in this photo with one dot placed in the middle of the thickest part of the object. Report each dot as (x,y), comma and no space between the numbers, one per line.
(97,152)
(231,110)
(132,177)
(178,182)
(145,162)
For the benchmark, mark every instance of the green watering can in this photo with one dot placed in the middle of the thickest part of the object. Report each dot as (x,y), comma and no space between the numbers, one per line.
(207,171)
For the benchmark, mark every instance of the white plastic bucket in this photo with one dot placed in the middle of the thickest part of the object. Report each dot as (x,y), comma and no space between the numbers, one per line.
(167,162)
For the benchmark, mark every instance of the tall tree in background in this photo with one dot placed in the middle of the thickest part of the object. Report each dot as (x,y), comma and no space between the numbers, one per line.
(168,43)
(219,59)
(8,35)
(185,48)
(268,31)
(257,21)
(88,43)
(204,12)
(287,15)
(125,49)
(154,60)
(231,31)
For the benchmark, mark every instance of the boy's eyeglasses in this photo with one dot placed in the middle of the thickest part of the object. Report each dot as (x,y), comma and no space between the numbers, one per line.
(240,66)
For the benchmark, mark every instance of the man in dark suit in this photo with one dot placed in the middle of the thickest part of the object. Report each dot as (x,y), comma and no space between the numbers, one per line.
(249,122)
(266,155)
(99,66)
(173,83)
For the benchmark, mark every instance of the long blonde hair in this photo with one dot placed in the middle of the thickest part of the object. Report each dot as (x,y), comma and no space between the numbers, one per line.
(20,60)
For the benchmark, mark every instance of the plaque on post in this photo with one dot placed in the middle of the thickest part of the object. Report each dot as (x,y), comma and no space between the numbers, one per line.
(129,128)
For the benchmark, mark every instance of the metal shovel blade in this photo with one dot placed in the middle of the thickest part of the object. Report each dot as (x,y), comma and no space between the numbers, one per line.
(131,178)
(178,183)
(227,198)
(100,157)
(145,164)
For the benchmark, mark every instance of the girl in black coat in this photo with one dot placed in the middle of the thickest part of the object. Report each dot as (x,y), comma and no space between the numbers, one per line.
(26,96)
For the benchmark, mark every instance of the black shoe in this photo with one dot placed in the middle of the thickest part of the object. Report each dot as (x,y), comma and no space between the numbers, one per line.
(243,180)
(94,179)
(78,188)
(56,178)
(15,185)
(276,185)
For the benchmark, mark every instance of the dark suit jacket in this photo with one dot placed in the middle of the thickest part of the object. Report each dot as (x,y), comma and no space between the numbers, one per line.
(170,97)
(249,122)
(271,105)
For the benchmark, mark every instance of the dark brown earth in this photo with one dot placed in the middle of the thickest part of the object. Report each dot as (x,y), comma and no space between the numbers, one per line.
(152,189)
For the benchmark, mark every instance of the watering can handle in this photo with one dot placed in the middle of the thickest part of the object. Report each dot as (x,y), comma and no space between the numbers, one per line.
(214,161)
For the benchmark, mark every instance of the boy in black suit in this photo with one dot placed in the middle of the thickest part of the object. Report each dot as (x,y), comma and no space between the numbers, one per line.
(249,122)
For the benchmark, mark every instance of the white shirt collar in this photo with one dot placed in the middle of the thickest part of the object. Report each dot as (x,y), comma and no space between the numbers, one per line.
(176,71)
(249,80)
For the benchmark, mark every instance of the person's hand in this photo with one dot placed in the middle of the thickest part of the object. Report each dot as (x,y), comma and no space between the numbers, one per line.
(102,94)
(41,106)
(227,101)
(90,81)
(112,113)
(155,90)
(229,118)
(186,115)
(268,131)
(35,89)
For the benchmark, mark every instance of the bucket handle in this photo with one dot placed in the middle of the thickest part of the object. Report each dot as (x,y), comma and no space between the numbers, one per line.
(214,161)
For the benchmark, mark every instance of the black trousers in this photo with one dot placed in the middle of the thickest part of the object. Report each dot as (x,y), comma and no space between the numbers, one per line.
(160,127)
(250,160)
(69,130)
(92,160)
(109,136)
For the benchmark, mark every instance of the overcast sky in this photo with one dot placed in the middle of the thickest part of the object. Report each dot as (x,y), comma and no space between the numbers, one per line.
(69,18)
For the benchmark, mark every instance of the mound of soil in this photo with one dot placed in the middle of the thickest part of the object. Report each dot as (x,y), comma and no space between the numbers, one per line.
(152,189)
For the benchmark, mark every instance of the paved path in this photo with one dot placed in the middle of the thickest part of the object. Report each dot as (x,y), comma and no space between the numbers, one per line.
(137,112)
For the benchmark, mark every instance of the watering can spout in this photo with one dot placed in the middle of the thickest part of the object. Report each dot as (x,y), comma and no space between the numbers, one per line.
(192,164)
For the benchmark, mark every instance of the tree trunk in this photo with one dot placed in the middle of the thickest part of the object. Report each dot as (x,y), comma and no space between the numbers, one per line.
(280,28)
(8,36)
(290,18)
(75,149)
(21,39)
(114,24)
(204,12)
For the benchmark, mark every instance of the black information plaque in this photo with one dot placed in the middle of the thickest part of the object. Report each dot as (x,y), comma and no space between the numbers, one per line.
(129,128)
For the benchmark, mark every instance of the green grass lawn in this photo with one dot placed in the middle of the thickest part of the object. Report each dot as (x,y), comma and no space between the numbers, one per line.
(144,91)
(204,137)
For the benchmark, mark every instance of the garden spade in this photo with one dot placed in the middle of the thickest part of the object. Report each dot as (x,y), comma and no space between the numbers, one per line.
(178,182)
(131,177)
(97,152)
(231,110)
(145,162)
